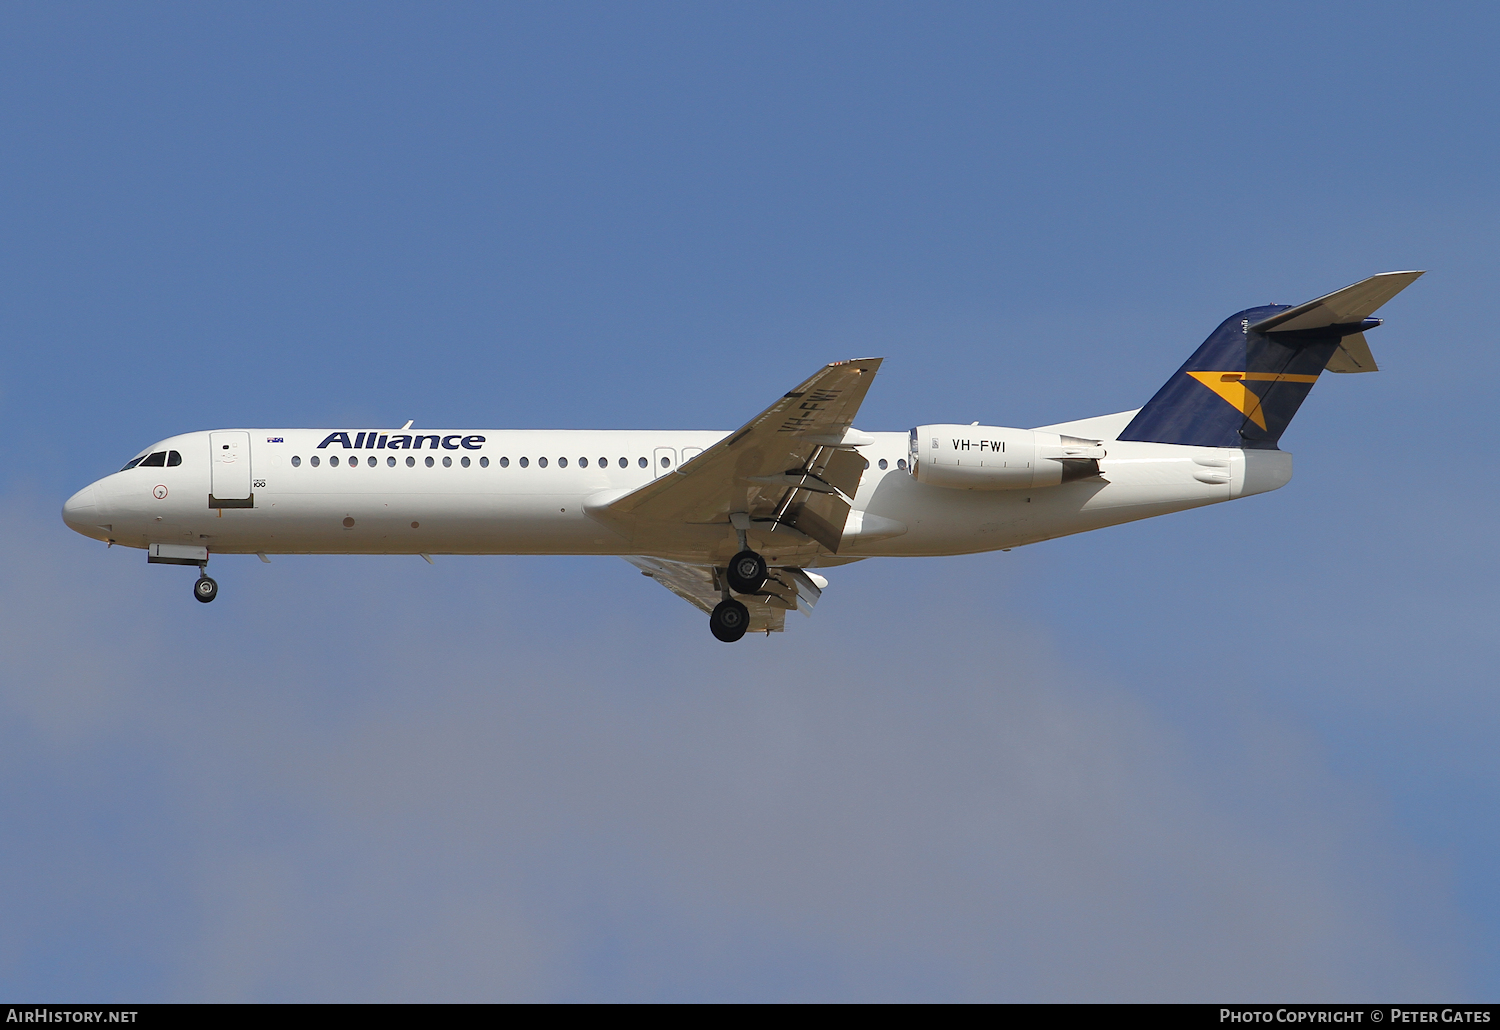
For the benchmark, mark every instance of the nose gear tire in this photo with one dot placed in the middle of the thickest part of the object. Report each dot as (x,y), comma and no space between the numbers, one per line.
(205,589)
(747,572)
(729,620)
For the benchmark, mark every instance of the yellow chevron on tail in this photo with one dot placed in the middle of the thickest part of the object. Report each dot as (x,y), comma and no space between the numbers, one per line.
(1231,387)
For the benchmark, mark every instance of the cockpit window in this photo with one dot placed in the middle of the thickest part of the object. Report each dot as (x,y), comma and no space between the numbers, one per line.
(156,459)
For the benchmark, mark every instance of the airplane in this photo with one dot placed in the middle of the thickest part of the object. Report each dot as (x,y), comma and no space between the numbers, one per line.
(738,523)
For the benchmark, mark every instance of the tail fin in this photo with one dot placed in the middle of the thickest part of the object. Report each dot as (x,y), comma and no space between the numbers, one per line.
(1242,387)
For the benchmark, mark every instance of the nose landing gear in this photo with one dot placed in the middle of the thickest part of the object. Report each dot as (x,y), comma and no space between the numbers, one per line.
(205,589)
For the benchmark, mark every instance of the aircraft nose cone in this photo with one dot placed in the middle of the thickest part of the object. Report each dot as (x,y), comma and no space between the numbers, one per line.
(80,512)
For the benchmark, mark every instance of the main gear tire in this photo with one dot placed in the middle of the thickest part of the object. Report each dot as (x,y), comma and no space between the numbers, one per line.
(747,572)
(205,589)
(729,620)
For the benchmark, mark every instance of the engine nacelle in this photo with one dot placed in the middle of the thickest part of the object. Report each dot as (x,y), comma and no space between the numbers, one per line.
(994,458)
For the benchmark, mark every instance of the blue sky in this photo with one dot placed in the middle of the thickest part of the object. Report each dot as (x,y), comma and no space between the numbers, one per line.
(1244,752)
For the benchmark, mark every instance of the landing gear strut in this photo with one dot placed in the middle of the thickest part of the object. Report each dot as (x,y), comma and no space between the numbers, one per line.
(205,589)
(746,575)
(729,620)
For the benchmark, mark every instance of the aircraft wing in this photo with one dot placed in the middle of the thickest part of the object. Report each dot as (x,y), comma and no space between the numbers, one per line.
(786,589)
(793,465)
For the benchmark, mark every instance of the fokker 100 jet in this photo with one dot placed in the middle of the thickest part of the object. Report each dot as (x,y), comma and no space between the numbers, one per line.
(736,523)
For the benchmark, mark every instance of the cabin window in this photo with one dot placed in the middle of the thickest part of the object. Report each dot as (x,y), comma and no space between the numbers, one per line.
(666,462)
(884,464)
(411,462)
(464,461)
(428,460)
(484,463)
(334,460)
(447,462)
(370,461)
(314,460)
(296,461)
(525,462)
(541,463)
(583,463)
(901,463)
(562,463)
(391,461)
(624,463)
(643,462)
(604,463)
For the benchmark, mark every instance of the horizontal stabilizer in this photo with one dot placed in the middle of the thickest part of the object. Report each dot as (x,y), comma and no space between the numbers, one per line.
(1351,304)
(1353,355)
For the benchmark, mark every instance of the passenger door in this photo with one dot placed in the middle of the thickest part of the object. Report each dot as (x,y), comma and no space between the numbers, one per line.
(229,471)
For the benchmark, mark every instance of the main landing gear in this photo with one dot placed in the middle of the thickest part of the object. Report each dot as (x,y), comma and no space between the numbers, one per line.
(205,589)
(747,572)
(729,620)
(746,575)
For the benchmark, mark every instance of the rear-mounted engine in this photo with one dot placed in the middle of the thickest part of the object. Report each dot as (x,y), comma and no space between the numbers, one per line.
(993,458)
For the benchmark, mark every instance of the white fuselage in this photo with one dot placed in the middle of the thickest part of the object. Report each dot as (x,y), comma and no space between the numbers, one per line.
(382,501)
